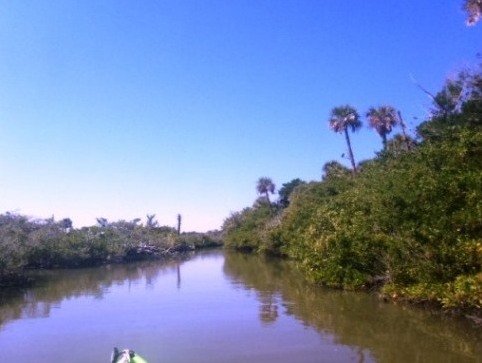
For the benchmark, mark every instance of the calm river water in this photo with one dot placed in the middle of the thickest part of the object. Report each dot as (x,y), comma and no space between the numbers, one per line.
(216,307)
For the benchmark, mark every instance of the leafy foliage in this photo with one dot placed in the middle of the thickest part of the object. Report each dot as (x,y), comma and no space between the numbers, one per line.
(383,119)
(29,243)
(250,229)
(474,11)
(286,190)
(409,222)
(265,186)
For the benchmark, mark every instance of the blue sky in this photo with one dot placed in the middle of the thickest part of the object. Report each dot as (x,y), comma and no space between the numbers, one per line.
(119,109)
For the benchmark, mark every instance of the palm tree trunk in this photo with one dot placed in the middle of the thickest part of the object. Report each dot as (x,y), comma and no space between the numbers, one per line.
(179,224)
(267,198)
(384,141)
(350,151)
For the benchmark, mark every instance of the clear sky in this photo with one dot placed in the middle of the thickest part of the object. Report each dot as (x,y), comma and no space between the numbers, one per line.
(118,108)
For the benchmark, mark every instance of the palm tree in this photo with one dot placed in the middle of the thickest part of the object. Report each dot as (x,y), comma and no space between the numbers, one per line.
(179,224)
(383,119)
(265,186)
(150,221)
(343,118)
(102,222)
(474,11)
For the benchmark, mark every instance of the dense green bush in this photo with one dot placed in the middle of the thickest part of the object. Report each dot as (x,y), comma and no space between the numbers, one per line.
(195,240)
(413,219)
(410,220)
(13,242)
(250,229)
(26,243)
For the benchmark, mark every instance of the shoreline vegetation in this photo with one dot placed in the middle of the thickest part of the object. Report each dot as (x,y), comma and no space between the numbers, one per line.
(407,223)
(28,244)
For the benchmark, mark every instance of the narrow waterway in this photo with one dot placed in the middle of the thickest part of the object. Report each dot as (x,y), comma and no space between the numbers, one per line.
(216,307)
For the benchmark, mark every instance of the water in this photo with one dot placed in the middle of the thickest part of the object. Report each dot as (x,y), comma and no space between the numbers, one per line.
(215,307)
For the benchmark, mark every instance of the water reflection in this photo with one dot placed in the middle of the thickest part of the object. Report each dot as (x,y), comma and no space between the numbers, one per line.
(57,285)
(178,274)
(390,333)
(237,309)
(268,308)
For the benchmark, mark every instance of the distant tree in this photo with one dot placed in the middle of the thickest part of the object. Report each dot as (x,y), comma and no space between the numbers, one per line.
(383,119)
(449,100)
(473,9)
(333,169)
(465,86)
(408,141)
(343,118)
(286,190)
(66,224)
(264,187)
(400,144)
(50,220)
(461,95)
(232,222)
(151,221)
(102,222)
(458,91)
(14,236)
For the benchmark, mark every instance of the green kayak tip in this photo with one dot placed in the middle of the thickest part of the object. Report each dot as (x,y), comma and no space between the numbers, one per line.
(126,356)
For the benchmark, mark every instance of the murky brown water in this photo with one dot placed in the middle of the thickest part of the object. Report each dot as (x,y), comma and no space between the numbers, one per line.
(215,307)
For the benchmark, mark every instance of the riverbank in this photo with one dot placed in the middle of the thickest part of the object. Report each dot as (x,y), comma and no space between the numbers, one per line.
(46,244)
(408,221)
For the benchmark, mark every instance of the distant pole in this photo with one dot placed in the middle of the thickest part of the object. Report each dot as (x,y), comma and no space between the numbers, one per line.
(179,224)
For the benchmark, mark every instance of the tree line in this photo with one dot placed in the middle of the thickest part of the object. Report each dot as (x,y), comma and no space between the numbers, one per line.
(407,222)
(27,243)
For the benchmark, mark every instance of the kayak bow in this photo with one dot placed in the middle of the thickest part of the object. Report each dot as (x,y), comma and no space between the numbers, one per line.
(126,356)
